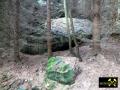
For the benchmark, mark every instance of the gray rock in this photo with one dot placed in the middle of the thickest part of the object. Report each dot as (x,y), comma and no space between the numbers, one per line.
(34,48)
(37,43)
(80,26)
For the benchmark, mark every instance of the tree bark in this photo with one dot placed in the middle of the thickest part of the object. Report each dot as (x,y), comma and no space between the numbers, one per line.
(96,26)
(67,23)
(77,53)
(49,36)
(16,31)
(114,13)
(10,16)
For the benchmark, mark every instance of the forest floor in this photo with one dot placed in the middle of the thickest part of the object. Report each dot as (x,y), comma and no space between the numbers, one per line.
(32,68)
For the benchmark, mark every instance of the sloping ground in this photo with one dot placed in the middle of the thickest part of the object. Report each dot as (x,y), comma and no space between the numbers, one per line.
(88,79)
(33,68)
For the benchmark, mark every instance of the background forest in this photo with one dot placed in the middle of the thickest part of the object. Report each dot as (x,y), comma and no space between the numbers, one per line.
(83,33)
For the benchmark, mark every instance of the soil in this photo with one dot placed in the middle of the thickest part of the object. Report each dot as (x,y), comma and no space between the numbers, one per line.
(32,67)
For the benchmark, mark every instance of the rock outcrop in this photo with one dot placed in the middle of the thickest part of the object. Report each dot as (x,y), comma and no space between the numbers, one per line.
(36,43)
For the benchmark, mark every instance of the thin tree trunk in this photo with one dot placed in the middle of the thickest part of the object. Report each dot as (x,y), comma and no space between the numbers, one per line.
(49,36)
(114,13)
(16,31)
(96,27)
(9,22)
(74,38)
(67,23)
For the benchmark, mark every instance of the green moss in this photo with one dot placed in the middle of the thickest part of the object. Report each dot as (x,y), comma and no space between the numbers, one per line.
(58,70)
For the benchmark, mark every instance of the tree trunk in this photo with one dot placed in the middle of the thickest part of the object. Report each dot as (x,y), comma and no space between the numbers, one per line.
(114,13)
(67,23)
(10,16)
(16,31)
(49,36)
(96,26)
(77,53)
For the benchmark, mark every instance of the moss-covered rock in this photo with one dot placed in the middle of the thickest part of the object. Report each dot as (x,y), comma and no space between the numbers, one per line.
(58,69)
(34,49)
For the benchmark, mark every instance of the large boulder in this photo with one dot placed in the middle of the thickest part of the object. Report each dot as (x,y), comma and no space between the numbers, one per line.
(61,71)
(83,27)
(36,43)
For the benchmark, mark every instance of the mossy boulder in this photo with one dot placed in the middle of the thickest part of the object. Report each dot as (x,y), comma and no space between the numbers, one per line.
(36,42)
(61,71)
(34,49)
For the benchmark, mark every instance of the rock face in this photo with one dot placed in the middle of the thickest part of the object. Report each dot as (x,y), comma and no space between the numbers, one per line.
(80,26)
(58,70)
(62,70)
(33,16)
(36,43)
(83,29)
